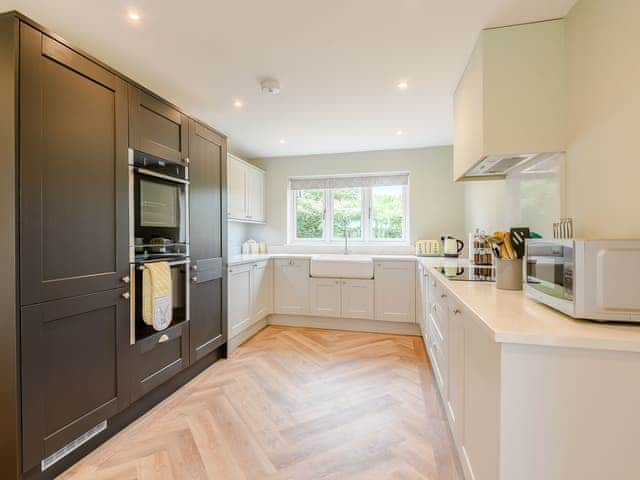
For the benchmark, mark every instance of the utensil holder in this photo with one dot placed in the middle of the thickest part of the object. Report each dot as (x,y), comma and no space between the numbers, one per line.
(509,274)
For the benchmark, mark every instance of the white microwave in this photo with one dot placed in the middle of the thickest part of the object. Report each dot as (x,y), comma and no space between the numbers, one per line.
(589,279)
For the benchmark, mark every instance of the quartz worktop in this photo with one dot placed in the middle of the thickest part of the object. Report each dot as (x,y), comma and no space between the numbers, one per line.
(512,317)
(250,258)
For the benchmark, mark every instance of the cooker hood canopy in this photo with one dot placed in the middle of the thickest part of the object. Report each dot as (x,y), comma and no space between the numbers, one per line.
(499,166)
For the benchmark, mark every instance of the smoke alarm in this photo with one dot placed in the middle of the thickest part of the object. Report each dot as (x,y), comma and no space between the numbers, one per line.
(270,86)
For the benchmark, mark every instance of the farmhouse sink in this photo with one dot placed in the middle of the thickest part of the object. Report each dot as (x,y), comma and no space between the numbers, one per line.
(341,266)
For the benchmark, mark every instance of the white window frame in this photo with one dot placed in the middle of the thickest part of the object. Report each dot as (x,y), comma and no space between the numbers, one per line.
(327,232)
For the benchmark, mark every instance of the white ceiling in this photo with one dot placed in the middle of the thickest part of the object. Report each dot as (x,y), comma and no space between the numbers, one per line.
(338,62)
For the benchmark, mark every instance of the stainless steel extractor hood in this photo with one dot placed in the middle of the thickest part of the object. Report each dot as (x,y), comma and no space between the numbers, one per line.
(499,166)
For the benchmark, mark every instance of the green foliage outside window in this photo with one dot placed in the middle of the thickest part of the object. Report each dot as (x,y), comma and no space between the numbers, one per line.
(386,213)
(347,212)
(309,213)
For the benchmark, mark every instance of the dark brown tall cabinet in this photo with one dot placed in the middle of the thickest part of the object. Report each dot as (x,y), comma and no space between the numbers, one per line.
(207,170)
(73,244)
(71,373)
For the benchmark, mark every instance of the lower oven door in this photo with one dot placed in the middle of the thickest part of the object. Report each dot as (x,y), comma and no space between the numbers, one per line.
(179,298)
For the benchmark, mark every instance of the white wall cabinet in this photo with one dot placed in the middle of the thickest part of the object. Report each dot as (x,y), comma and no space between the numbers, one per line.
(395,291)
(326,297)
(239,299)
(291,283)
(511,98)
(246,185)
(250,295)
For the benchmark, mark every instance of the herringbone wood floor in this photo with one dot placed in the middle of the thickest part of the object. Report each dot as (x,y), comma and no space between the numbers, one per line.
(292,403)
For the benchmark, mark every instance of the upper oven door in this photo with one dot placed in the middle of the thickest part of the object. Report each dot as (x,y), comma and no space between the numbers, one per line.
(550,268)
(160,214)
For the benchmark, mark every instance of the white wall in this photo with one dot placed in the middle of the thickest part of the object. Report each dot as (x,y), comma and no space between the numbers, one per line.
(436,203)
(237,233)
(603,166)
(533,200)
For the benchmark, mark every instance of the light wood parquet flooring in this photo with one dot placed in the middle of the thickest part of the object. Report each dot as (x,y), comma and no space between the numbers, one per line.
(292,403)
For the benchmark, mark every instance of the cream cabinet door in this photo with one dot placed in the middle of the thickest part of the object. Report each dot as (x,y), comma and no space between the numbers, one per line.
(456,346)
(255,194)
(262,291)
(325,297)
(236,188)
(357,299)
(395,291)
(239,299)
(291,286)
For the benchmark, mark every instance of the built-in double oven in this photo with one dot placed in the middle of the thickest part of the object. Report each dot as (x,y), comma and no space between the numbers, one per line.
(158,231)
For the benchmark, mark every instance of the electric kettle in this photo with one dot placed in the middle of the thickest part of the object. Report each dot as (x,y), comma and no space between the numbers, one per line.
(452,246)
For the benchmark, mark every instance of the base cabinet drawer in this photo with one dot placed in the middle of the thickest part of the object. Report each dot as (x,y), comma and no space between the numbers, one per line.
(158,358)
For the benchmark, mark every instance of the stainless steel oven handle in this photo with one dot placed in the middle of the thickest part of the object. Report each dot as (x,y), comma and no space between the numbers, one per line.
(169,178)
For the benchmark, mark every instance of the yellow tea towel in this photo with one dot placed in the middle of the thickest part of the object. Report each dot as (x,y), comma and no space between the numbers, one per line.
(156,295)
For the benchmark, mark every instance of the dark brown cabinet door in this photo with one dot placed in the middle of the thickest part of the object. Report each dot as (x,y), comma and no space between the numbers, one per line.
(159,357)
(73,158)
(157,128)
(74,364)
(207,172)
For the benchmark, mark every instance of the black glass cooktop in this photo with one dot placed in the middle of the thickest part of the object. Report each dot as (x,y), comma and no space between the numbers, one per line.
(471,273)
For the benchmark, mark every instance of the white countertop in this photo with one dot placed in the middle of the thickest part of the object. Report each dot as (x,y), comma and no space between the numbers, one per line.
(512,317)
(249,258)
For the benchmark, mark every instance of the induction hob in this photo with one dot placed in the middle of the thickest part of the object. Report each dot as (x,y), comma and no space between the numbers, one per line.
(470,273)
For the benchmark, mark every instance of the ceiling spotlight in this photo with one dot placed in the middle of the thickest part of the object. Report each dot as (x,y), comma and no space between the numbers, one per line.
(133,16)
(283,141)
(403,85)
(399,132)
(238,103)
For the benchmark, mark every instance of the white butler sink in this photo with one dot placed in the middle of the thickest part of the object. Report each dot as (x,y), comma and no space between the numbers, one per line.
(341,266)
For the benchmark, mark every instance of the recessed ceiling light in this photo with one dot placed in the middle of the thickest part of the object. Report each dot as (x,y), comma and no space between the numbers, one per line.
(399,132)
(238,103)
(133,16)
(283,141)
(403,85)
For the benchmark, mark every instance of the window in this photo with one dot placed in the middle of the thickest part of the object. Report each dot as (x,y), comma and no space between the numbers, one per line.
(369,209)
(310,214)
(347,212)
(387,213)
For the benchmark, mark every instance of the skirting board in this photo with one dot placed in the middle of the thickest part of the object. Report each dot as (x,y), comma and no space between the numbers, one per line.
(242,337)
(356,325)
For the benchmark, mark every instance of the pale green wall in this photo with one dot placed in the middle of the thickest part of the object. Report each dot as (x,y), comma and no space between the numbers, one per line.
(436,203)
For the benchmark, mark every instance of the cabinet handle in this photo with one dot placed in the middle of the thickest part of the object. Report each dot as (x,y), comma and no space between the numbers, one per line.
(443,295)
(126,295)
(194,268)
(456,311)
(163,338)
(125,279)
(186,160)
(194,278)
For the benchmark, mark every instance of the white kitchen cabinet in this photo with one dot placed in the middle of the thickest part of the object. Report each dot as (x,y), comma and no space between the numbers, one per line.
(236,188)
(395,291)
(246,185)
(357,299)
(261,290)
(291,283)
(255,194)
(511,98)
(239,298)
(456,358)
(326,297)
